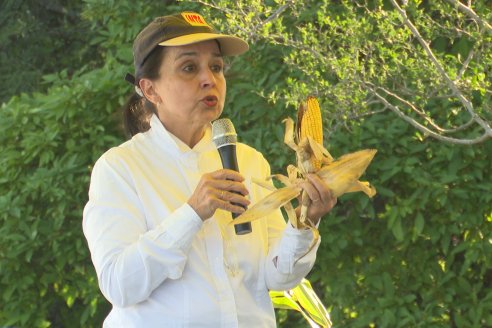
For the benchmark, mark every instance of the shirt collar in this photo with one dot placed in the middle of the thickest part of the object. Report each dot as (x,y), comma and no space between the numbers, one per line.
(171,141)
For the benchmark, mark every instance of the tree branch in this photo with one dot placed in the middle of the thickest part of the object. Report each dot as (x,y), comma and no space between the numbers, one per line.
(465,65)
(270,18)
(278,12)
(212,5)
(227,11)
(425,130)
(468,11)
(466,103)
(426,117)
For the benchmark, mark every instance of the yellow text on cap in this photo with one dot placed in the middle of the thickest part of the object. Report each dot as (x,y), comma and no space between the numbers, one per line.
(194,19)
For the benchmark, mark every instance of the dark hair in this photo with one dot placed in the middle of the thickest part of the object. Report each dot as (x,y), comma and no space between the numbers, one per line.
(137,110)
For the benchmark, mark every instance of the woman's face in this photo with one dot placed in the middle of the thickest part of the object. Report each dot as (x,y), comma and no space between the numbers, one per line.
(191,86)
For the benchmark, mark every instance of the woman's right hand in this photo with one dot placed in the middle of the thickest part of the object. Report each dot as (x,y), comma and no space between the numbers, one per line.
(220,189)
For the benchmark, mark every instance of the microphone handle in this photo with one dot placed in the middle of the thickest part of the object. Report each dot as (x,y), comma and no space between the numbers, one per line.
(229,161)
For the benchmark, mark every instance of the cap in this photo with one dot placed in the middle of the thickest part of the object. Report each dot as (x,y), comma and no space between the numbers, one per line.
(179,30)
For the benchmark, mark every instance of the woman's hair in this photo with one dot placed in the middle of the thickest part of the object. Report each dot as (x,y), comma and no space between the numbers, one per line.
(137,110)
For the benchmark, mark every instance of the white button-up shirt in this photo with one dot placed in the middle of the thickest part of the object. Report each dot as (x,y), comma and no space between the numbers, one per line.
(159,264)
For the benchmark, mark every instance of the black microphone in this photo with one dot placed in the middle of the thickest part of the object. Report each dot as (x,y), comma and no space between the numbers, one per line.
(225,138)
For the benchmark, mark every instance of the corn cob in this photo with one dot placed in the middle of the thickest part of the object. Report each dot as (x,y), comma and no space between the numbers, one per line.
(341,175)
(311,122)
(310,125)
(309,130)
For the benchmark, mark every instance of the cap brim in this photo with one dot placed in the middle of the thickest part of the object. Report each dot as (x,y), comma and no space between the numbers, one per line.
(229,45)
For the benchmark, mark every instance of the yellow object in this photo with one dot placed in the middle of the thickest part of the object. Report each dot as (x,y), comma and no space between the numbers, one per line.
(303,298)
(310,126)
(269,204)
(340,175)
(311,122)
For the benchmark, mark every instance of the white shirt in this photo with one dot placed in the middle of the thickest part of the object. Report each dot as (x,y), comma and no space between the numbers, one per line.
(159,264)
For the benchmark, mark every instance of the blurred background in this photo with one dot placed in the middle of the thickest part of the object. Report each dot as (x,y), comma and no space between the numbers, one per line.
(411,79)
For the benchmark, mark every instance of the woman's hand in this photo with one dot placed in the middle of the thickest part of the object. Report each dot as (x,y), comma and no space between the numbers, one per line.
(322,200)
(220,189)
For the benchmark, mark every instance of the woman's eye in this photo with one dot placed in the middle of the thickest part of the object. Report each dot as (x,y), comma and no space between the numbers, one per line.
(189,68)
(217,68)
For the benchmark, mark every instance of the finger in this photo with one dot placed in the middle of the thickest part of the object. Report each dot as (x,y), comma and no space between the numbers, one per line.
(311,191)
(322,188)
(232,186)
(226,174)
(214,181)
(333,202)
(235,198)
(220,194)
(229,206)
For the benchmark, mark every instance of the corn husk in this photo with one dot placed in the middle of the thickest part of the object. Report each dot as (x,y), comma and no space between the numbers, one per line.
(270,203)
(341,175)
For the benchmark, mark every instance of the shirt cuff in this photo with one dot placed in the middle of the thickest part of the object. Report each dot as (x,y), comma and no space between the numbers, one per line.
(294,245)
(180,227)
(302,234)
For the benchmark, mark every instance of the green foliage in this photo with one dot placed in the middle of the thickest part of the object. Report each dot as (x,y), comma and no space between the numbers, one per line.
(349,53)
(38,38)
(257,118)
(49,142)
(47,145)
(417,255)
(405,258)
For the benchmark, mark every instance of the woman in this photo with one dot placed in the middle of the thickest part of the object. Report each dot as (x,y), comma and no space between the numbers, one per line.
(159,204)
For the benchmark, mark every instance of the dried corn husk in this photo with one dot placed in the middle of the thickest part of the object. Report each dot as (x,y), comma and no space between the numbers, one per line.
(341,175)
(270,203)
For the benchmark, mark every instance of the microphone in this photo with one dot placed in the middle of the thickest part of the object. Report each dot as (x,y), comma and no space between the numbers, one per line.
(225,138)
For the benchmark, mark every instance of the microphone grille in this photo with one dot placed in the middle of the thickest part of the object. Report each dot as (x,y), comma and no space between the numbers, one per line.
(223,132)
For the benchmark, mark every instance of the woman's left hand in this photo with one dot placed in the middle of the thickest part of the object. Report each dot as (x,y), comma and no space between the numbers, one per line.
(322,200)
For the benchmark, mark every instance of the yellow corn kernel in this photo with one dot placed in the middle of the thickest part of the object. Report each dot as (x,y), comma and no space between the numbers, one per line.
(311,124)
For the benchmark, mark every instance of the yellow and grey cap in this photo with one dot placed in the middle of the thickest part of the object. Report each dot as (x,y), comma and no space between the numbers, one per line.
(179,30)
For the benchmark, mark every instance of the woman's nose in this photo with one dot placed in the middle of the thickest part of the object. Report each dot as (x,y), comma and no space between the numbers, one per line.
(207,78)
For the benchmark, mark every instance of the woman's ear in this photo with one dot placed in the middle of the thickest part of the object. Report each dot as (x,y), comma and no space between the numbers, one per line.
(148,89)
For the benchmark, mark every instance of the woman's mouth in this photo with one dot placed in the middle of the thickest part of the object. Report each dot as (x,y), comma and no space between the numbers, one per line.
(210,101)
